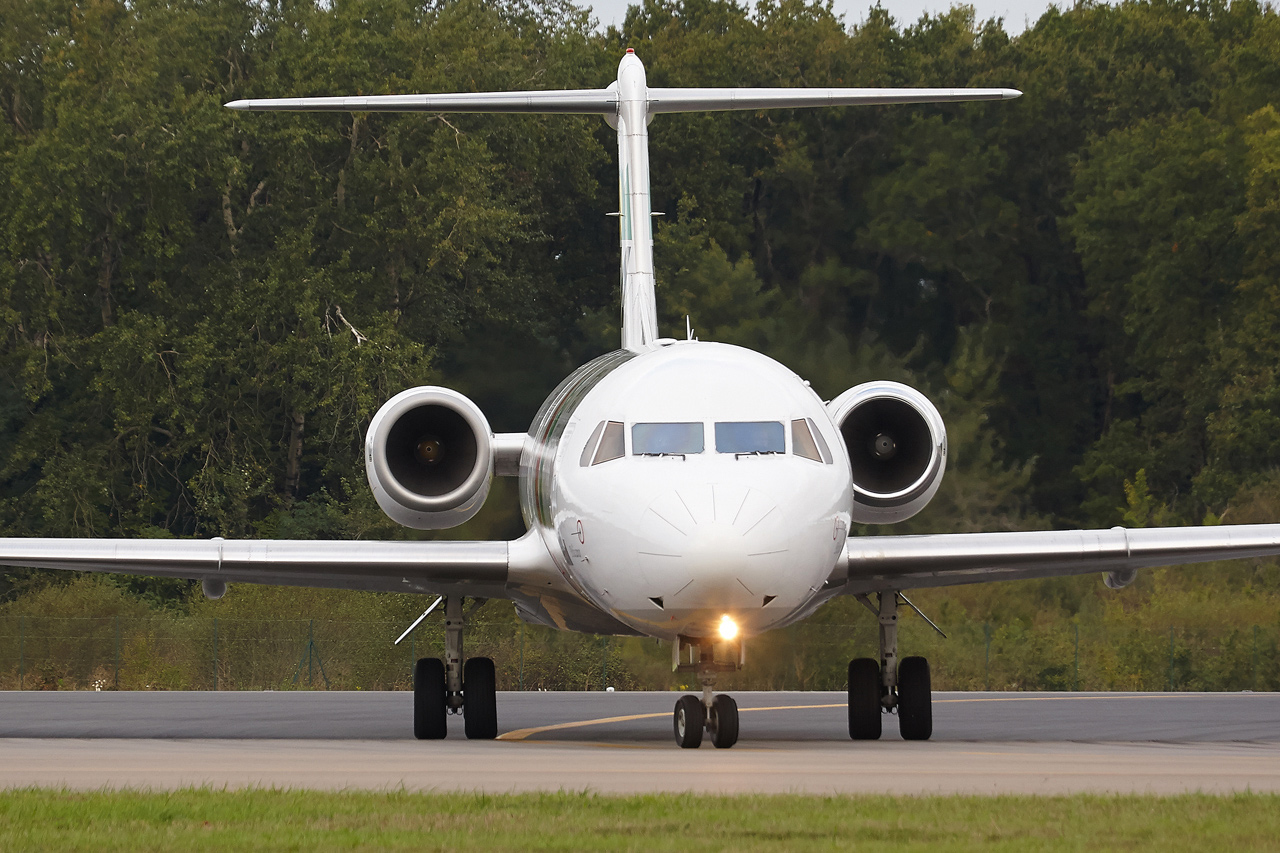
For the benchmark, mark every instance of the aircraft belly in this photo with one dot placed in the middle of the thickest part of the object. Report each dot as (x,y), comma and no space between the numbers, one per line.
(565,612)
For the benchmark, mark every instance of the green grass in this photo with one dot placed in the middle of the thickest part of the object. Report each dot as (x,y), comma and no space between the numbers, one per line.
(44,819)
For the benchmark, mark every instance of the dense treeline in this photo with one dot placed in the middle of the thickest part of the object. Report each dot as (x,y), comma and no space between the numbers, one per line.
(203,308)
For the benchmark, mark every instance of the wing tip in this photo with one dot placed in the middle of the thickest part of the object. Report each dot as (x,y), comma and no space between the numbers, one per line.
(1010,94)
(238,105)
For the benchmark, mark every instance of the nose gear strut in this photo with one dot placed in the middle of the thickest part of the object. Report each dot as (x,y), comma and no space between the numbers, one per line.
(717,715)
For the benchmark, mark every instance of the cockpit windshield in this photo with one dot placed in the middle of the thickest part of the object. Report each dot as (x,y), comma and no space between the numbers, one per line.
(750,437)
(666,439)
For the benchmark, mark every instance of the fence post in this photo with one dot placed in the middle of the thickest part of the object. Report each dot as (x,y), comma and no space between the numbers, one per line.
(22,649)
(604,662)
(117,678)
(1170,658)
(522,654)
(215,653)
(986,633)
(1075,685)
(309,654)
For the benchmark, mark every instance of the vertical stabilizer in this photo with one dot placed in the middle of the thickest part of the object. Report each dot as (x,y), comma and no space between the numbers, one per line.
(639,308)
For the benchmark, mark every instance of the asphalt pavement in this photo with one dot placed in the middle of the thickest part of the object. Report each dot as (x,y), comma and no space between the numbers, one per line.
(984,743)
(802,716)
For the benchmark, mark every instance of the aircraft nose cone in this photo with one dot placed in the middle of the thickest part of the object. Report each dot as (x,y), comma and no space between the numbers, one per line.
(717,546)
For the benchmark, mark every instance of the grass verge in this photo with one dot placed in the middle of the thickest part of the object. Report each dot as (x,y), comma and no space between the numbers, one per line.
(202,819)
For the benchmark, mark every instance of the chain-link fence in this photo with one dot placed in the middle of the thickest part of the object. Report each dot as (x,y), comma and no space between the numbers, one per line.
(165,652)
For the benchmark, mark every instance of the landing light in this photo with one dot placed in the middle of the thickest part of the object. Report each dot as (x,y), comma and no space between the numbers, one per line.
(728,628)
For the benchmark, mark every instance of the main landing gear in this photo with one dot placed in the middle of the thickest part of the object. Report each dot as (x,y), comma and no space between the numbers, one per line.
(716,715)
(448,687)
(880,687)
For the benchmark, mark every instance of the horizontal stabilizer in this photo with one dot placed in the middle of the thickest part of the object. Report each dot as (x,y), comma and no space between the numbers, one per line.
(589,101)
(605,101)
(699,100)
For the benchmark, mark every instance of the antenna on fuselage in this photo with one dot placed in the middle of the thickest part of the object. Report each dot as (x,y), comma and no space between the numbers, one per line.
(628,105)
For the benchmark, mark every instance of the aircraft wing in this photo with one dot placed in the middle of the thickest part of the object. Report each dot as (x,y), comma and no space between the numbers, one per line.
(477,568)
(881,563)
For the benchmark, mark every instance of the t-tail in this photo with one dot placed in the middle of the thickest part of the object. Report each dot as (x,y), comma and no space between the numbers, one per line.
(628,105)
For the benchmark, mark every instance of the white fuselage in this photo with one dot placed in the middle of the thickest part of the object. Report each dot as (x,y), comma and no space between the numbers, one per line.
(676,486)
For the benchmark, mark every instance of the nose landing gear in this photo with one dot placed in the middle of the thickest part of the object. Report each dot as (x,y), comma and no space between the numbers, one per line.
(887,685)
(716,715)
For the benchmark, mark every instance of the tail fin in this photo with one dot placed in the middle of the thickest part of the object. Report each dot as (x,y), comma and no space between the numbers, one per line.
(628,105)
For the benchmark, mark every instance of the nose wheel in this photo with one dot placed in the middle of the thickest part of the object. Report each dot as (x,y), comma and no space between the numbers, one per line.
(690,719)
(722,722)
(719,721)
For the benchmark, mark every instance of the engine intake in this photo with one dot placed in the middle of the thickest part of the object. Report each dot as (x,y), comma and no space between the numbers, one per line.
(897,446)
(429,458)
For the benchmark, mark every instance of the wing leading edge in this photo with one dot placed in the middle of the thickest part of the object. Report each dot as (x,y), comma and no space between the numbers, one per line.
(882,563)
(483,568)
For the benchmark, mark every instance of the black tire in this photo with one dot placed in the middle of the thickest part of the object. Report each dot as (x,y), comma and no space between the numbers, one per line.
(865,709)
(480,699)
(429,704)
(688,722)
(723,722)
(915,699)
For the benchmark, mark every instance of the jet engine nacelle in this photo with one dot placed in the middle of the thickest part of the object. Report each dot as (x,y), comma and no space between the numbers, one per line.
(429,457)
(897,447)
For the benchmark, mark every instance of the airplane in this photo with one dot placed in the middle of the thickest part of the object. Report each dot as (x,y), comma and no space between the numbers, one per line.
(687,490)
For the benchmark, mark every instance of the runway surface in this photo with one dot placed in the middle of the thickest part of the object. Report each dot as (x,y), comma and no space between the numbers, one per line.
(622,743)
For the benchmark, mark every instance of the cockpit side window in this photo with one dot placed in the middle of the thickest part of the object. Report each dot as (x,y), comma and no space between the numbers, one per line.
(611,443)
(822,442)
(806,441)
(590,449)
(666,439)
(750,437)
(604,445)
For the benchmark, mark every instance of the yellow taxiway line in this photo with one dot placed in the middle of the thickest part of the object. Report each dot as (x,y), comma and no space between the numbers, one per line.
(522,734)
